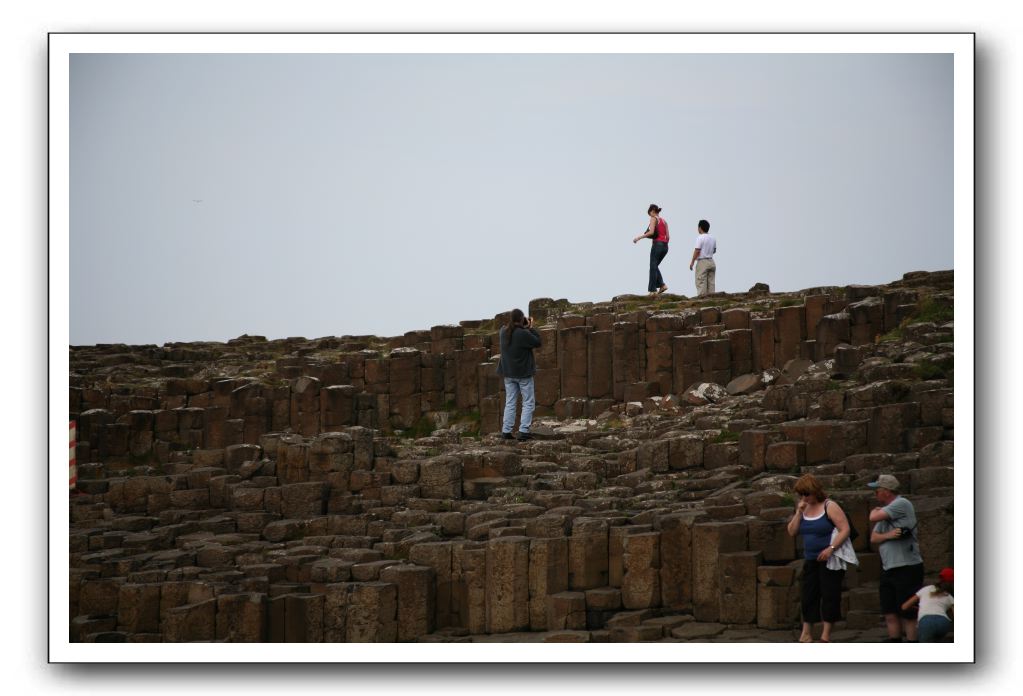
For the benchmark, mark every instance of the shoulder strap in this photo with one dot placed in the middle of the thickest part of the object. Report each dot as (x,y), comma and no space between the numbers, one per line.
(826,512)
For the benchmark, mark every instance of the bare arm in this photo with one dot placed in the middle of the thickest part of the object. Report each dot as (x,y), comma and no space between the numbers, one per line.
(793,526)
(910,602)
(696,255)
(837,516)
(878,514)
(651,231)
(881,537)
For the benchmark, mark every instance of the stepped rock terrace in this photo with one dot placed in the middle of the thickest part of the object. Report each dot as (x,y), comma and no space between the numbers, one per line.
(355,488)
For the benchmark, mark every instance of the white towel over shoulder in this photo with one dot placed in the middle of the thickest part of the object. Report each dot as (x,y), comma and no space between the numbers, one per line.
(843,555)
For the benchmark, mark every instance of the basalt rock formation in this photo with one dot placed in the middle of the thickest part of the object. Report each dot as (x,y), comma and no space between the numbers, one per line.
(357,489)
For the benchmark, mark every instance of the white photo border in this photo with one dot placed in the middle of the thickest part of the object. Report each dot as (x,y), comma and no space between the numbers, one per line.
(63,45)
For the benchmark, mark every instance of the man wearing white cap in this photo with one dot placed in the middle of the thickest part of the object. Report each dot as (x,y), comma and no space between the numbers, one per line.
(902,567)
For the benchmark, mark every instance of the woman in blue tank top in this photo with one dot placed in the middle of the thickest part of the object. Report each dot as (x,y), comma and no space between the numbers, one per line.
(814,519)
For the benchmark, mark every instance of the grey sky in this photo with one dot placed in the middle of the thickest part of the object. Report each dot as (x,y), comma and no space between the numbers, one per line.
(358,194)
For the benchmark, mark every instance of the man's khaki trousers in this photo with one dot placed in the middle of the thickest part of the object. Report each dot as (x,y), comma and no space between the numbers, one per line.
(705,269)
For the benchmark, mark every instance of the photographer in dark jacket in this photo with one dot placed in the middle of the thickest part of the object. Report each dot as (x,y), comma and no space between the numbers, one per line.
(517,366)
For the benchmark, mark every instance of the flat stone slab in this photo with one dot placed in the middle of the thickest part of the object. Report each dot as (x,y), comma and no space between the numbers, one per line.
(741,634)
(567,637)
(696,630)
(667,623)
(434,638)
(774,637)
(509,638)
(688,631)
(848,636)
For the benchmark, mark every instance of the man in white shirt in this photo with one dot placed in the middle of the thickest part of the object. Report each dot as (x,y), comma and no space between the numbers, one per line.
(703,257)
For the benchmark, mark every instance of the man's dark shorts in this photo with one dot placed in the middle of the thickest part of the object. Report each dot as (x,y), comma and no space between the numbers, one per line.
(899,584)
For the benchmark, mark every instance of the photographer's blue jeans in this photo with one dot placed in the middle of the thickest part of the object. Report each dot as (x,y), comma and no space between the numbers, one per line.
(513,386)
(658,250)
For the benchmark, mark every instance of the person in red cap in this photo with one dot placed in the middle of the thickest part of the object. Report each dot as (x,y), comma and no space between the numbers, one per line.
(934,620)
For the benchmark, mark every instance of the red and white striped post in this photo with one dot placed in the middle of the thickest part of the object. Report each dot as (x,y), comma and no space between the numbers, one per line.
(72,465)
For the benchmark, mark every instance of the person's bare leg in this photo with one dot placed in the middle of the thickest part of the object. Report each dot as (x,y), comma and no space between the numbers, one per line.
(894,625)
(807,635)
(909,628)
(826,632)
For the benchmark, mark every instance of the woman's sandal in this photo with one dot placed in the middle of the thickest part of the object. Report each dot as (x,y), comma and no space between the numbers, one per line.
(663,288)
(824,640)
(805,639)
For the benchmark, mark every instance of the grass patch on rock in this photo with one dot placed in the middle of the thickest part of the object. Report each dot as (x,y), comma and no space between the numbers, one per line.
(933,311)
(726,436)
(421,428)
(941,368)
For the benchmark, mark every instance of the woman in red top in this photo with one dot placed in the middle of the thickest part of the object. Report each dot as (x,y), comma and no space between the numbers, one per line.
(657,230)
